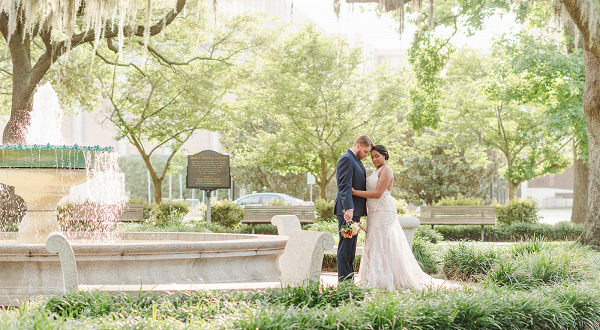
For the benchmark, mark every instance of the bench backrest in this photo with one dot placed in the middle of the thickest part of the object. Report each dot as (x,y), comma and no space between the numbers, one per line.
(458,215)
(305,213)
(132,212)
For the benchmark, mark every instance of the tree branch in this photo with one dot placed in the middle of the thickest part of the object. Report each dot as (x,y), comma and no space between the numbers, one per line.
(4,25)
(53,53)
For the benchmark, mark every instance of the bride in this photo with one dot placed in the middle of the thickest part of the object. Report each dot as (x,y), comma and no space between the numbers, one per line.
(387,262)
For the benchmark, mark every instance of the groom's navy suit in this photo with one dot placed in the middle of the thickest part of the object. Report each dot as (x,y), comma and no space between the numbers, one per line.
(350,173)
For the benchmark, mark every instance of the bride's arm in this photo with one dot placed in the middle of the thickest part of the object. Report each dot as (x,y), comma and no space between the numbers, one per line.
(384,181)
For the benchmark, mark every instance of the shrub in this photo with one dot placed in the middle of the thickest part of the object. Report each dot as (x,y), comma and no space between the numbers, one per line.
(422,251)
(401,206)
(278,202)
(428,234)
(468,263)
(12,210)
(226,213)
(324,210)
(513,233)
(517,210)
(459,201)
(87,216)
(169,212)
(263,228)
(202,209)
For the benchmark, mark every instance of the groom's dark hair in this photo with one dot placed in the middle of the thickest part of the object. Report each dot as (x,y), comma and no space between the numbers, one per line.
(364,140)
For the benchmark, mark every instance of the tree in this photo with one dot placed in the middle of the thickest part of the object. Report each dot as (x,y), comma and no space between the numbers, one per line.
(442,172)
(30,31)
(555,77)
(500,111)
(158,101)
(584,14)
(307,105)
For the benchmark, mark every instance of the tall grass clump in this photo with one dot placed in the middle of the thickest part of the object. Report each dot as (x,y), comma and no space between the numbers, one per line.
(532,246)
(466,262)
(540,265)
(312,294)
(424,255)
(428,234)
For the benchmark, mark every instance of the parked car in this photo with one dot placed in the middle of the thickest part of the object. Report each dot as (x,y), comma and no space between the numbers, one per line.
(265,198)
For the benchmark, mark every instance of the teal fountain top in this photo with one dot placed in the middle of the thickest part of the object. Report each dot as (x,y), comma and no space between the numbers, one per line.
(48,156)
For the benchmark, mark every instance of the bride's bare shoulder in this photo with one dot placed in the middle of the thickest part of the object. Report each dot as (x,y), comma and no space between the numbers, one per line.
(388,170)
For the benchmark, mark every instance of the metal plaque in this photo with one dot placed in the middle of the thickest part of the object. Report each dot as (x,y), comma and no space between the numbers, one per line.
(208,170)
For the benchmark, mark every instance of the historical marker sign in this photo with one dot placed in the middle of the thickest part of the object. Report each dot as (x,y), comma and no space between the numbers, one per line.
(208,170)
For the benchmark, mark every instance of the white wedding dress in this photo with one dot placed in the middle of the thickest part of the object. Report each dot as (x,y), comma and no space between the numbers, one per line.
(387,261)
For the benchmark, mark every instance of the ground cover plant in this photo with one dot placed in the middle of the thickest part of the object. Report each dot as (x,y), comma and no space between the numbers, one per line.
(529,285)
(572,303)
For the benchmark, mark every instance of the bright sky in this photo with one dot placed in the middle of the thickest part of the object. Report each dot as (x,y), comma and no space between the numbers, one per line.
(381,32)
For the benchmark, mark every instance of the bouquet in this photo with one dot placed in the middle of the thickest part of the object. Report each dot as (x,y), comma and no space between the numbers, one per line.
(350,229)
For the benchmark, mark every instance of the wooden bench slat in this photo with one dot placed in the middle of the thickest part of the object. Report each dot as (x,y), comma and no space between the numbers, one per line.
(458,215)
(263,214)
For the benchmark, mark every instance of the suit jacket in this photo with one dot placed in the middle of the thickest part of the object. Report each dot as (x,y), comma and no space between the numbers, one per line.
(350,173)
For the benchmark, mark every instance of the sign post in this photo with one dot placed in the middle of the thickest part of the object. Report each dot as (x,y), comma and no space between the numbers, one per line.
(310,180)
(208,170)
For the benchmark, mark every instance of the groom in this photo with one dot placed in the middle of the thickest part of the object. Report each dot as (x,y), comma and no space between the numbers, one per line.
(350,173)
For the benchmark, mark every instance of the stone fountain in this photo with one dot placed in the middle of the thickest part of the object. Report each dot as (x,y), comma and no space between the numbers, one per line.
(43,174)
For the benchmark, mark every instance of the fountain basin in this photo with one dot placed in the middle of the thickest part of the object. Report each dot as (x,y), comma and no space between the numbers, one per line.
(41,189)
(28,270)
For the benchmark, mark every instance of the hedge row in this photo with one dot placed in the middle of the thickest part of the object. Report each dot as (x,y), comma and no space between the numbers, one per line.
(515,232)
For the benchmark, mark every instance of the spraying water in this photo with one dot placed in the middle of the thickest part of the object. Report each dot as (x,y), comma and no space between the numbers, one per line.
(95,206)
(46,118)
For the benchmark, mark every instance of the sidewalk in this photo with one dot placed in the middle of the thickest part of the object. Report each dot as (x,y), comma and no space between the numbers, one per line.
(552,216)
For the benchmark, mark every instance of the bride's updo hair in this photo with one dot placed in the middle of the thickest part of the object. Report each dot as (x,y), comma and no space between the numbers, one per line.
(382,150)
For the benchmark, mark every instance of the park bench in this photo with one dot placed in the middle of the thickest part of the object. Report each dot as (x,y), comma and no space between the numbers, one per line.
(132,212)
(262,214)
(459,215)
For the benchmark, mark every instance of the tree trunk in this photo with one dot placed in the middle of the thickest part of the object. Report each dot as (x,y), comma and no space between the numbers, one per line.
(16,128)
(580,190)
(323,189)
(158,194)
(323,176)
(512,190)
(591,107)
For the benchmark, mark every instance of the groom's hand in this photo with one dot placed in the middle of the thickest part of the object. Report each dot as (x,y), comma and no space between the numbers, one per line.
(349,215)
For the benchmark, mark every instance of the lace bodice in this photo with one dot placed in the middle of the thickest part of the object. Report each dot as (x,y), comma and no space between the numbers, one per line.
(383,203)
